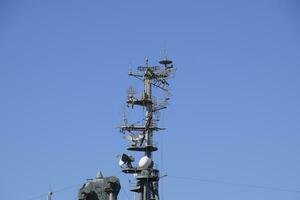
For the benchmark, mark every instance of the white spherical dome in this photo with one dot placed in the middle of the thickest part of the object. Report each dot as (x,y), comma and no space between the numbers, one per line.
(145,162)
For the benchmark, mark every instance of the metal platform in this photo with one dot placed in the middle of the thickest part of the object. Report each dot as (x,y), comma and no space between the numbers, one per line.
(136,189)
(165,62)
(142,148)
(148,177)
(131,170)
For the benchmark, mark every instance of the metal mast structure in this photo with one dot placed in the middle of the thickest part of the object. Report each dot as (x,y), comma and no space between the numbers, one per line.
(141,136)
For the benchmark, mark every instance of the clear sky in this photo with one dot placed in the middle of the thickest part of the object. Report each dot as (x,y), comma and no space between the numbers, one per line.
(234,115)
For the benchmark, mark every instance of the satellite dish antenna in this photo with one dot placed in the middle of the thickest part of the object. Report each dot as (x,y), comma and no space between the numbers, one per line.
(126,159)
(121,162)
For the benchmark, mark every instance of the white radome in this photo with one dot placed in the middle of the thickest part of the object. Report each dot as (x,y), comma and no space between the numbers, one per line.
(145,162)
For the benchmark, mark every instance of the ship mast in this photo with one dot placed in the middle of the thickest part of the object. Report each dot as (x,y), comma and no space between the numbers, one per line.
(141,136)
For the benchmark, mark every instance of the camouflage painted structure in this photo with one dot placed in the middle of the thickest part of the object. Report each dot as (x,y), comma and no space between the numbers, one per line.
(101,188)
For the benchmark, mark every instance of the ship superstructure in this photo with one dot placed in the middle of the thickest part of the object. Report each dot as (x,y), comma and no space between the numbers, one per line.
(141,136)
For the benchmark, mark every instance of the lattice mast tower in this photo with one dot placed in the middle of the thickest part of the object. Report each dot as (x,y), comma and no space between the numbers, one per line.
(141,136)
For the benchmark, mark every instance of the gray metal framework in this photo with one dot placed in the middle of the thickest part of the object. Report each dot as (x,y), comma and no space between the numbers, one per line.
(141,136)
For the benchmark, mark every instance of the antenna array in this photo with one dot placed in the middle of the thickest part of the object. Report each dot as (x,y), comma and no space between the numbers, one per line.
(141,136)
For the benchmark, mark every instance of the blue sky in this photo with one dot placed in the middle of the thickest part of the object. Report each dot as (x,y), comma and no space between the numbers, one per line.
(234,113)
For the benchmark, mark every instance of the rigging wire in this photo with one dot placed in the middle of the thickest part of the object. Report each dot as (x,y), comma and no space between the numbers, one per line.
(235,184)
(55,191)
(162,158)
(124,192)
(118,172)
